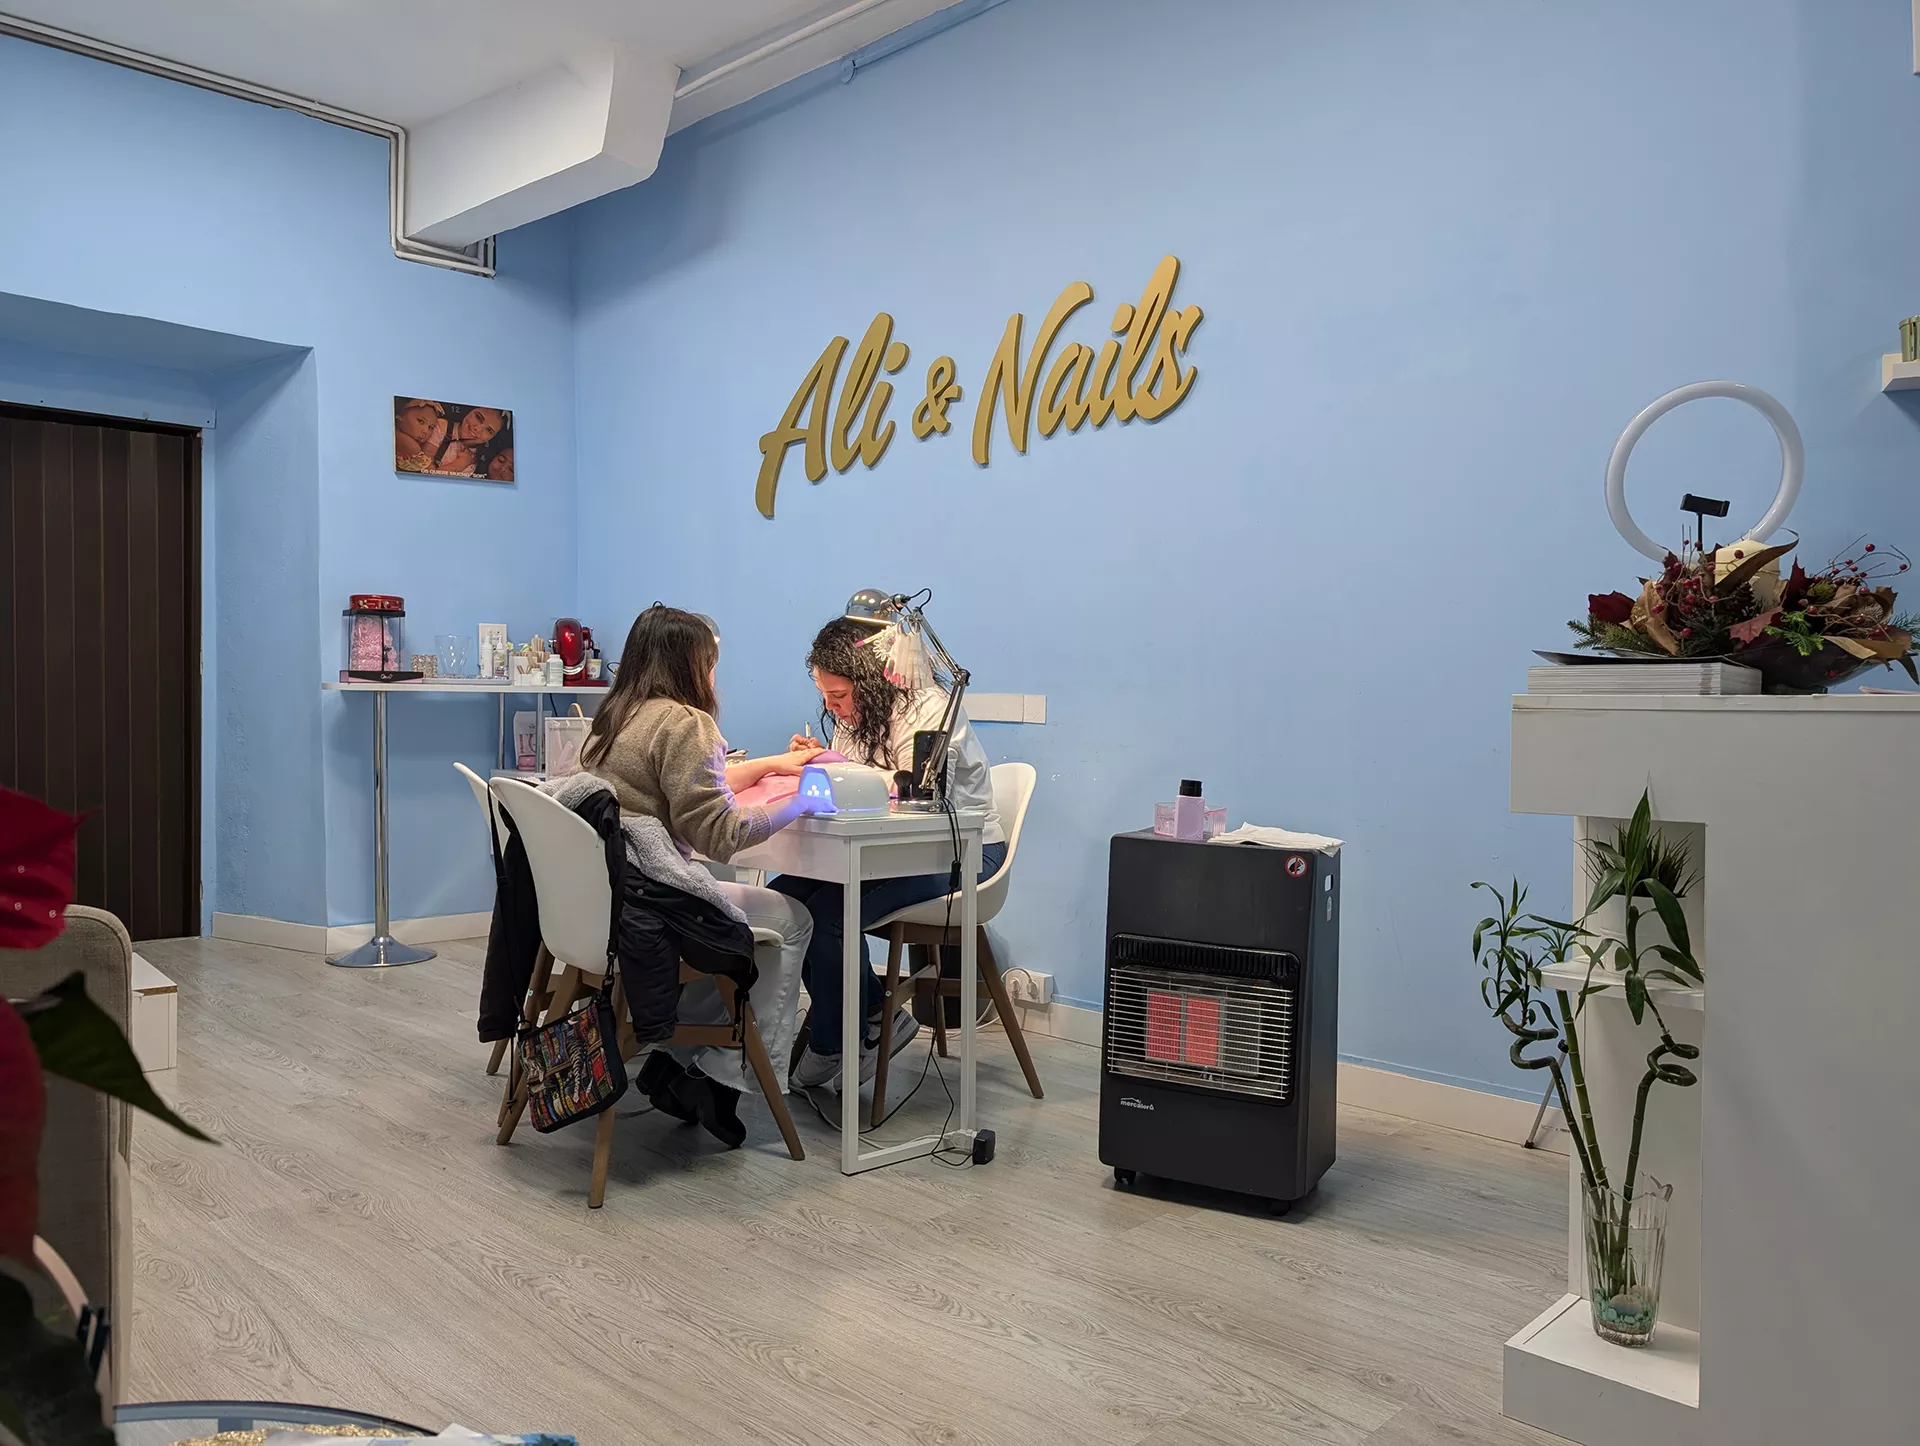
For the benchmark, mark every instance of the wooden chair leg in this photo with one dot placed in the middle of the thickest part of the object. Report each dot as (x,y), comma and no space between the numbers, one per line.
(530,1011)
(515,1106)
(997,987)
(925,957)
(564,996)
(762,1063)
(603,1127)
(896,945)
(547,1005)
(602,1153)
(799,1042)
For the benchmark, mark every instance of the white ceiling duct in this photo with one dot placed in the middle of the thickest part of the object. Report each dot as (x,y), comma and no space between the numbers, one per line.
(590,118)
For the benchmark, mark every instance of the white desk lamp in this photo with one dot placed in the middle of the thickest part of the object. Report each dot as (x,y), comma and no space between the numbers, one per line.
(915,658)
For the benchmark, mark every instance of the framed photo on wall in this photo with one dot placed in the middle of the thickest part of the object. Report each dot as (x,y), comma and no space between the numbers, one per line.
(452,439)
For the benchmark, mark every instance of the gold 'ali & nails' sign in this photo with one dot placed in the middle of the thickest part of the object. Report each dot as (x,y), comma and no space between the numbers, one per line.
(1136,373)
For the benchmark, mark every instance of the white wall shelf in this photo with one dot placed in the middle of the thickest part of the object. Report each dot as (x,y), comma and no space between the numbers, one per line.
(1897,375)
(1573,977)
(1558,1375)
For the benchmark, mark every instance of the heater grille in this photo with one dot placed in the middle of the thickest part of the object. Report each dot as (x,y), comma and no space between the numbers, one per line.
(1180,954)
(1219,1032)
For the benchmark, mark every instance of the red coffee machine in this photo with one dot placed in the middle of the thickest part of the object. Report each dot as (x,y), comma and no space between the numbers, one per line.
(570,642)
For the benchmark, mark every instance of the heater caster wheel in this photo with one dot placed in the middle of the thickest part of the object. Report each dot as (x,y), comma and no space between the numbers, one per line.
(1122,1179)
(1278,1208)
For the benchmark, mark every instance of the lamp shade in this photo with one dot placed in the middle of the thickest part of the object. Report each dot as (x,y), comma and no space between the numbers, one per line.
(872,606)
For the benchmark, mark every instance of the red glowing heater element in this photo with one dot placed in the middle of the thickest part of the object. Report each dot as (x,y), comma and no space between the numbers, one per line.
(1203,1033)
(1183,1029)
(1163,1026)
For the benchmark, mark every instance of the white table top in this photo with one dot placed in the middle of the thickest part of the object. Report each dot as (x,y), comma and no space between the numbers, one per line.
(444,685)
(894,822)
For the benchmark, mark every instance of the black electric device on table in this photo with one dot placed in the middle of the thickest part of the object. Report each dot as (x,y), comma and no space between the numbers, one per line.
(1222,1015)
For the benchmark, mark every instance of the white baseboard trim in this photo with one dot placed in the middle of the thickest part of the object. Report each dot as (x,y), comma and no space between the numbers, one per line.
(433,929)
(322,939)
(1474,1112)
(1062,1021)
(270,933)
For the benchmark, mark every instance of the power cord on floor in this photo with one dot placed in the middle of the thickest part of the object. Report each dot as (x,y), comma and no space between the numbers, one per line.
(941,1149)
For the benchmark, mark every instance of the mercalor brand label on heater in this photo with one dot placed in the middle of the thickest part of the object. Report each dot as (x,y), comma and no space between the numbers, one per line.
(1136,373)
(1134,1104)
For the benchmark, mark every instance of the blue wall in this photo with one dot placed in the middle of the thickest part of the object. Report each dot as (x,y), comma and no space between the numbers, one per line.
(1445,252)
(138,201)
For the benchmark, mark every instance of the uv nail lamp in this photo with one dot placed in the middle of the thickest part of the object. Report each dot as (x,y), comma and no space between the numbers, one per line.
(846,788)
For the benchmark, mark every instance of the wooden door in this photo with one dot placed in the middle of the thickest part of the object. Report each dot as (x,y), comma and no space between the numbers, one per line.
(100,627)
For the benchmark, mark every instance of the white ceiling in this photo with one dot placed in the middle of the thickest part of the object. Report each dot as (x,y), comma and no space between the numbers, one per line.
(510,109)
(411,60)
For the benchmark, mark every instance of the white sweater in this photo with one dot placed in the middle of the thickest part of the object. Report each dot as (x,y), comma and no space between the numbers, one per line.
(969,783)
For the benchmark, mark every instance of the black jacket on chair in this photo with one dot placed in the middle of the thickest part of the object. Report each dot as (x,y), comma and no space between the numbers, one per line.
(654,928)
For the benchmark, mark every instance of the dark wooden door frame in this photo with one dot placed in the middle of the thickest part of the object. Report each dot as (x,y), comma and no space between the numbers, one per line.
(191,437)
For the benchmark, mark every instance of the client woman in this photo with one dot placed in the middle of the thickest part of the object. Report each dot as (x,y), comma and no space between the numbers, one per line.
(874,721)
(655,741)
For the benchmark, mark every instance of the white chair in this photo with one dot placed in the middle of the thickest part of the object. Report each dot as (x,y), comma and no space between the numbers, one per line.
(499,827)
(924,928)
(485,800)
(569,866)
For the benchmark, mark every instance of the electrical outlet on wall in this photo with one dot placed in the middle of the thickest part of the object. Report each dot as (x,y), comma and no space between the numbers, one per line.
(1026,987)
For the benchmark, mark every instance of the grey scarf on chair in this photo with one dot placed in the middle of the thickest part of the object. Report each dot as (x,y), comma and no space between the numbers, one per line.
(650,848)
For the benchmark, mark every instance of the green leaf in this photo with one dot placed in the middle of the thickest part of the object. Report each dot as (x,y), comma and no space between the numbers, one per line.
(1479,930)
(1636,997)
(44,1377)
(1671,915)
(1642,825)
(1683,962)
(77,1040)
(1607,886)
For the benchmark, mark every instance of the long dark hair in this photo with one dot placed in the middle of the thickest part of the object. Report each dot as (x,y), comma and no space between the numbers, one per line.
(840,648)
(669,654)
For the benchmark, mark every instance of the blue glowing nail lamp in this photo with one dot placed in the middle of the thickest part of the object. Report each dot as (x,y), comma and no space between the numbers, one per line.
(846,788)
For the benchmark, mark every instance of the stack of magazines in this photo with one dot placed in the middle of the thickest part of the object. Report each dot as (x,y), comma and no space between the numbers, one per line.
(1699,680)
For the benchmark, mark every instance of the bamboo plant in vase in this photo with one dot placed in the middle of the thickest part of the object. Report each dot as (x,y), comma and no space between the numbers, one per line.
(1624,1214)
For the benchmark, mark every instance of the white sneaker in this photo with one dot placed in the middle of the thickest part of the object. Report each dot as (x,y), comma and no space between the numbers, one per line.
(817,1070)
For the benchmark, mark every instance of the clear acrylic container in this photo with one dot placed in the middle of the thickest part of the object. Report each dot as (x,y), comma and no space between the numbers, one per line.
(376,642)
(1216,821)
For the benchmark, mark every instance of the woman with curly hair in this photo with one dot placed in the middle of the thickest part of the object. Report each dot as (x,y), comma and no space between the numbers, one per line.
(873,721)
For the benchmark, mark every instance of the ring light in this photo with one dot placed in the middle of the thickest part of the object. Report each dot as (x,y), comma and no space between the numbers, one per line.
(1792,460)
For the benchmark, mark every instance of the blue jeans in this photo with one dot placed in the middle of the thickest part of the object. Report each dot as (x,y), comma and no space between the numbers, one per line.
(878,898)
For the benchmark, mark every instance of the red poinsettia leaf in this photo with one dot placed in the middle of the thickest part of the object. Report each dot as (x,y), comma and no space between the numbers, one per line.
(1796,587)
(1751,629)
(1609,607)
(24,1089)
(36,870)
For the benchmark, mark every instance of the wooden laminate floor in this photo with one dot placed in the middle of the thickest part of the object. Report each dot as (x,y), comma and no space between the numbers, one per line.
(358,1239)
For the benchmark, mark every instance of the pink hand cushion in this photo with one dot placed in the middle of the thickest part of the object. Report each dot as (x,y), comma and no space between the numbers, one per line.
(776,788)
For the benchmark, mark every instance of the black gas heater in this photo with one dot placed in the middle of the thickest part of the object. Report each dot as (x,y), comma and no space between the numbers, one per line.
(1222,1009)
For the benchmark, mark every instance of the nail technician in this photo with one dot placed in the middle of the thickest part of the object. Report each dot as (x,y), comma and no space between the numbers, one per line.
(872,721)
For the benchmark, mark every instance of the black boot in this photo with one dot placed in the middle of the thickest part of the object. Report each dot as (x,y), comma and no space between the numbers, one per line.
(658,1075)
(716,1106)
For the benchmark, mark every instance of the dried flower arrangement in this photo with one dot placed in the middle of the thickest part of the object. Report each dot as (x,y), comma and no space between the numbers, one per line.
(1803,631)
